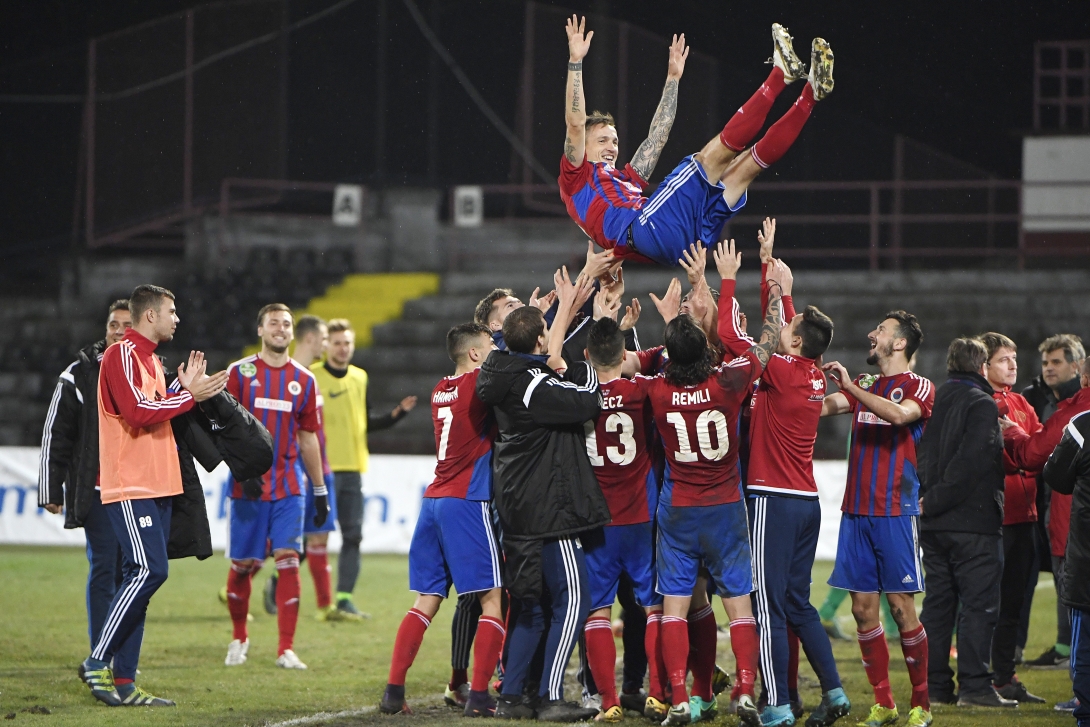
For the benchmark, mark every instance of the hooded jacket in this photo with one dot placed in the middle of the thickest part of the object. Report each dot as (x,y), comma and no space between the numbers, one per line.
(1068,472)
(542,477)
(960,459)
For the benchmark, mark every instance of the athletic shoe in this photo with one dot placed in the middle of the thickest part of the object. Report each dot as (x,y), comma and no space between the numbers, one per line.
(633,700)
(478,704)
(879,717)
(288,660)
(236,652)
(137,697)
(393,699)
(781,716)
(513,708)
(613,714)
(721,681)
(832,628)
(784,56)
(1051,659)
(557,710)
(349,610)
(1068,706)
(747,711)
(457,698)
(332,613)
(655,710)
(678,714)
(834,705)
(592,701)
(699,709)
(100,678)
(1017,691)
(989,698)
(269,593)
(820,77)
(919,717)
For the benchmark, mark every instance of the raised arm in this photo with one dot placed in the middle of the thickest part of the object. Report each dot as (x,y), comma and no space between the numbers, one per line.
(575,109)
(731,334)
(647,155)
(773,320)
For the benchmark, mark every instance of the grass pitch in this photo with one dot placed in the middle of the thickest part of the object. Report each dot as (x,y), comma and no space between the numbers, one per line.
(44,637)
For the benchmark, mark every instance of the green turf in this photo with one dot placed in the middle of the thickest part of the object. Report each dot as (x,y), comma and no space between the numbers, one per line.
(44,638)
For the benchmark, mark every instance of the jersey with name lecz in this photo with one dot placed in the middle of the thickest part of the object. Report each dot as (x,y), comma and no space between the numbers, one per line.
(284,400)
(603,200)
(619,446)
(882,476)
(696,424)
(464,432)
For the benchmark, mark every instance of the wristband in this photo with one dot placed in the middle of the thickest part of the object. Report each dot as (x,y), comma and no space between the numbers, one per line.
(575,66)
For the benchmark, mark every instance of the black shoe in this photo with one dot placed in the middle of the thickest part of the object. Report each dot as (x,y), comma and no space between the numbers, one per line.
(989,698)
(393,700)
(943,698)
(480,704)
(270,595)
(1051,659)
(513,708)
(557,710)
(1017,691)
(634,701)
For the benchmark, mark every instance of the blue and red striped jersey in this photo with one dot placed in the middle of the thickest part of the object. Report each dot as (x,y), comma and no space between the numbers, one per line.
(284,400)
(882,477)
(464,432)
(603,200)
(619,444)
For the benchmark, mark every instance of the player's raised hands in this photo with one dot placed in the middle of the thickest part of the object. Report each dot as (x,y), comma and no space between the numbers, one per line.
(778,272)
(694,260)
(613,280)
(544,302)
(606,305)
(669,304)
(839,374)
(598,263)
(727,260)
(766,236)
(631,315)
(678,53)
(579,43)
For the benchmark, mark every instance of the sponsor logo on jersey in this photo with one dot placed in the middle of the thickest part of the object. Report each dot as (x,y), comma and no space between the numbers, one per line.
(274,404)
(247,369)
(896,395)
(869,417)
(335,394)
(295,388)
(866,381)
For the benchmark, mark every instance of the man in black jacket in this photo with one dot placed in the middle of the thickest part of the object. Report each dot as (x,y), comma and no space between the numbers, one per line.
(960,460)
(1068,472)
(546,494)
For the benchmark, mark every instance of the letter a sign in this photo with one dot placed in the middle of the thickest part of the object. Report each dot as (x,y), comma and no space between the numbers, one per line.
(347,205)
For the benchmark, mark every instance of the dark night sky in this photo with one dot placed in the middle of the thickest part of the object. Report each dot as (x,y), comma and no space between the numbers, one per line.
(954,75)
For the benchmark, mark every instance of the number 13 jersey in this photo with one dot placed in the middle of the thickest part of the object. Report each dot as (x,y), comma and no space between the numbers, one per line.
(698,426)
(464,432)
(619,446)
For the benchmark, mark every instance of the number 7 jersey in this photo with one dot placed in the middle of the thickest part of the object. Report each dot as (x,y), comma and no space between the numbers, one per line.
(698,426)
(464,432)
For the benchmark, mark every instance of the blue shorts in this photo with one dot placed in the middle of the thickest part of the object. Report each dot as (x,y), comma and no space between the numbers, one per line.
(330,523)
(685,208)
(878,554)
(258,527)
(716,536)
(617,549)
(454,543)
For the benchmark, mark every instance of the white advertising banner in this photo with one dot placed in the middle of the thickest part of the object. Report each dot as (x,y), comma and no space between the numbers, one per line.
(392,492)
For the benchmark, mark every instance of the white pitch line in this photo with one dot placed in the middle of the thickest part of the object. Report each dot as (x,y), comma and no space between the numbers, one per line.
(322,716)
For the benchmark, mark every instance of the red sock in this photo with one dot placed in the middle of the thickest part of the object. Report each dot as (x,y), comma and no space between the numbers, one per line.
(239,581)
(486,651)
(914,647)
(121,681)
(749,119)
(792,662)
(602,657)
(287,599)
(409,637)
(876,663)
(782,134)
(674,642)
(656,670)
(458,677)
(703,637)
(746,648)
(319,571)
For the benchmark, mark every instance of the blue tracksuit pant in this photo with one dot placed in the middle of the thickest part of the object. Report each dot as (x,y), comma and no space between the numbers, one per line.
(784,534)
(103,580)
(142,527)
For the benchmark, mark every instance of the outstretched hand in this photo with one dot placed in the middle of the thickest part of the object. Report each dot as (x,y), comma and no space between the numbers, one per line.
(578,43)
(598,263)
(543,303)
(694,260)
(839,374)
(766,236)
(192,370)
(778,272)
(606,305)
(670,303)
(631,315)
(678,53)
(727,261)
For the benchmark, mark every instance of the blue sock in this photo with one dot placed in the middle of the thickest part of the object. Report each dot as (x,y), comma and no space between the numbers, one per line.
(124,690)
(91,664)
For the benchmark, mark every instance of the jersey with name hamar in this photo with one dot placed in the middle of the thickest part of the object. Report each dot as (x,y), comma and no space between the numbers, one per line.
(464,432)
(619,444)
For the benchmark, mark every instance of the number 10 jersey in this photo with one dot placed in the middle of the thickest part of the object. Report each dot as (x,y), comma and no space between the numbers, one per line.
(464,432)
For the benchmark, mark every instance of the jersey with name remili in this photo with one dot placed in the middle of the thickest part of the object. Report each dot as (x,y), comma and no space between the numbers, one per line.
(603,200)
(284,400)
(697,426)
(619,446)
(464,432)
(882,476)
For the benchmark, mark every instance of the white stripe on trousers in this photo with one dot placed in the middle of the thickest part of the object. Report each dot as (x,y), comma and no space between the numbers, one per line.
(760,512)
(493,548)
(570,630)
(672,187)
(113,620)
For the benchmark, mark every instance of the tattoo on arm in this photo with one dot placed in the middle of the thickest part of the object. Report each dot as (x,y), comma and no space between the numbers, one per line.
(569,149)
(647,155)
(770,329)
(576,91)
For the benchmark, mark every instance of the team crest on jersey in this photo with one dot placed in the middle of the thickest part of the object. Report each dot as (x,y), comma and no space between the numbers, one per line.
(896,395)
(866,381)
(294,388)
(247,369)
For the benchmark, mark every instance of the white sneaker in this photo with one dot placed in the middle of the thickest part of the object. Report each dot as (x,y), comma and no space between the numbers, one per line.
(784,56)
(288,660)
(236,652)
(592,701)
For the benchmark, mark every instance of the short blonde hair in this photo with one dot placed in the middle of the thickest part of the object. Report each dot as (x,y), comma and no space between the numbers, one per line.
(337,325)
